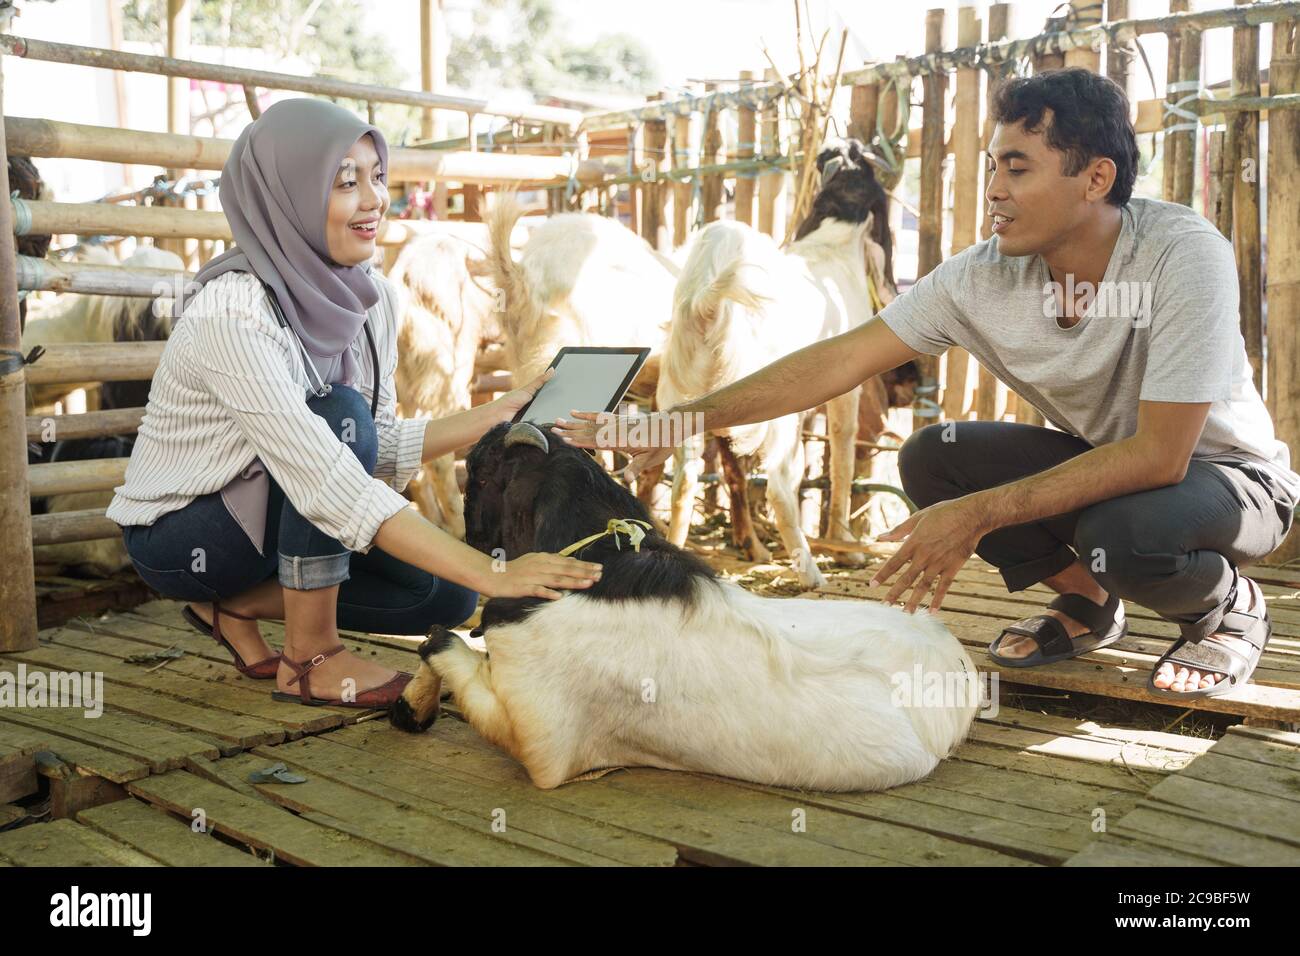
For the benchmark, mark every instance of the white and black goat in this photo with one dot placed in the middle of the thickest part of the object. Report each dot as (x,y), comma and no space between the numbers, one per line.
(741,303)
(662,664)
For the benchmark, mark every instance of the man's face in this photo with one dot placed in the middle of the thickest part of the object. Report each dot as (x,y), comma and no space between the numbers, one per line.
(1033,202)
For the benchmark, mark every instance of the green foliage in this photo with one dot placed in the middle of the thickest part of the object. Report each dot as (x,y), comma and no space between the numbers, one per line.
(522,44)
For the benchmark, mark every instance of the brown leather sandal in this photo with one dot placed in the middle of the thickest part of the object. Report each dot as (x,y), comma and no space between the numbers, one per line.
(262,670)
(376,698)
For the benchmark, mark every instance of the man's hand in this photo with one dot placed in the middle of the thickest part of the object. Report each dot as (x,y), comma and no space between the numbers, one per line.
(937,541)
(648,440)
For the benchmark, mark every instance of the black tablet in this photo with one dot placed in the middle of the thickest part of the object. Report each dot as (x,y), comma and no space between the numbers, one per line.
(585,380)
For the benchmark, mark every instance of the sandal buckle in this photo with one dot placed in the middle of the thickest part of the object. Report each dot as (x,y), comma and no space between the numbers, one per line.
(318,659)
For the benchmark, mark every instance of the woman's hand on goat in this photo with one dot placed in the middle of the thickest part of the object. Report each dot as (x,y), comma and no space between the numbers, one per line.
(513,402)
(937,541)
(537,574)
(648,440)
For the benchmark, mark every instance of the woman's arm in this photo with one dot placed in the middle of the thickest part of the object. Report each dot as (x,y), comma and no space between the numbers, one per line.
(446,434)
(409,537)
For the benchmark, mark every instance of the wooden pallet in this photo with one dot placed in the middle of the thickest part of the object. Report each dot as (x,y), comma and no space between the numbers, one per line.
(178,742)
(1236,804)
(978,606)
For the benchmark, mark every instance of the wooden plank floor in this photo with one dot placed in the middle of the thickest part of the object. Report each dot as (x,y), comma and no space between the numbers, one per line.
(978,606)
(1237,804)
(181,739)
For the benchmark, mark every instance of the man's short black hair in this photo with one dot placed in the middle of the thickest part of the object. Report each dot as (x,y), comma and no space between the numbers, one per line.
(1089,119)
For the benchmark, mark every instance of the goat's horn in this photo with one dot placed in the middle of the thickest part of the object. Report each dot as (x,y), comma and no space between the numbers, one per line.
(526,433)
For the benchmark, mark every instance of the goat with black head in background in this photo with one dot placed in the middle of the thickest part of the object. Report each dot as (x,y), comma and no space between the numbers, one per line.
(663,664)
(740,303)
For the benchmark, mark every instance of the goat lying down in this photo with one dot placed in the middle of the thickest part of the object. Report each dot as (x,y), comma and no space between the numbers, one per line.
(662,664)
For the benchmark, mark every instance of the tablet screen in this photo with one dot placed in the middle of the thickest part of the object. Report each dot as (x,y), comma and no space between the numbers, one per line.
(587,381)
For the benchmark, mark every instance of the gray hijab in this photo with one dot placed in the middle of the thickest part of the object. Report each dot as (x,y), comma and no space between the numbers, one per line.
(275,190)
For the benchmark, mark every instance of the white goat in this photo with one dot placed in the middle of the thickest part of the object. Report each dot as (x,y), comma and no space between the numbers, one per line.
(740,304)
(661,664)
(446,312)
(98,318)
(582,280)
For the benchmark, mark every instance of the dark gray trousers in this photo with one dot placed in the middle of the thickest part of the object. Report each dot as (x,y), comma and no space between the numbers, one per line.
(1174,549)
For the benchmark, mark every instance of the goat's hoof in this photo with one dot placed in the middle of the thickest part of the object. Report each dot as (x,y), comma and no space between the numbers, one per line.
(439,640)
(402,716)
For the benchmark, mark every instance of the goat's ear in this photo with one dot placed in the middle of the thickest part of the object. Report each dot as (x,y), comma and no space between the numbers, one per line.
(518,521)
(824,156)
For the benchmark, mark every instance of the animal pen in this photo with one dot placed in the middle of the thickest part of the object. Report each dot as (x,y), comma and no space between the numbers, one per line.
(181,732)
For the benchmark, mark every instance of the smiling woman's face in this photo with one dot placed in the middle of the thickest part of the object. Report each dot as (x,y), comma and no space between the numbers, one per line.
(358,200)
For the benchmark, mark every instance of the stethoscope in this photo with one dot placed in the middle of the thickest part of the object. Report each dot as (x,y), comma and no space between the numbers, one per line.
(322,389)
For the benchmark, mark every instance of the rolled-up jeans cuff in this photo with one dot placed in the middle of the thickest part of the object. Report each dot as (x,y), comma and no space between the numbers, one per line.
(314,572)
(1028,573)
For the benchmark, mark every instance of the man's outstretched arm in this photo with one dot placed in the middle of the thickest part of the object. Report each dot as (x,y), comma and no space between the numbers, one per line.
(799,381)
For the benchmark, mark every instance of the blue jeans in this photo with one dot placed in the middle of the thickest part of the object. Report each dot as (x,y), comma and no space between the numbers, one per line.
(377,592)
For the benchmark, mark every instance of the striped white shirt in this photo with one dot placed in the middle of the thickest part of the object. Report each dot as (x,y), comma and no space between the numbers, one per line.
(233,386)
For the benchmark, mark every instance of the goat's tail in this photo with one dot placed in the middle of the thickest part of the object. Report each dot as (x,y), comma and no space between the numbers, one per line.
(509,278)
(942,691)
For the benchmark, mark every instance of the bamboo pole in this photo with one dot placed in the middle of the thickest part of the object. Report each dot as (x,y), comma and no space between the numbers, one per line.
(681,159)
(1189,80)
(654,223)
(745,149)
(1056,42)
(864,107)
(771,186)
(1085,13)
(433,79)
(1048,59)
(44,429)
(68,526)
(99,219)
(52,275)
(958,381)
(74,362)
(711,155)
(317,85)
(47,138)
(636,156)
(75,477)
(1219,183)
(178,112)
(1172,142)
(1244,201)
(930,251)
(993,400)
(17,573)
(1118,54)
(1282,383)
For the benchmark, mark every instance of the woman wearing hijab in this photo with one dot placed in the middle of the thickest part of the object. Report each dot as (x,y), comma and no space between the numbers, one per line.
(260,486)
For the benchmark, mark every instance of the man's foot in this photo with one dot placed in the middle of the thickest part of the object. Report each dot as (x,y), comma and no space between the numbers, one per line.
(1180,679)
(1018,645)
(243,636)
(326,680)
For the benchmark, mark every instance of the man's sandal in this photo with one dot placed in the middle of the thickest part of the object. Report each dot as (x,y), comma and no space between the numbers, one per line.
(262,670)
(1054,641)
(1211,657)
(376,698)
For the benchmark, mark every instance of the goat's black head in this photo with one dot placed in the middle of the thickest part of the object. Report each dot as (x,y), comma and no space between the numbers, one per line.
(850,192)
(527,490)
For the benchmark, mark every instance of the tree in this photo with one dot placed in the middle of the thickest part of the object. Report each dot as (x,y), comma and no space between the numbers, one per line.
(523,44)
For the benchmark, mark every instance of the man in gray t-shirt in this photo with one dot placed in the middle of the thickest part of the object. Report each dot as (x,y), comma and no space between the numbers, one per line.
(1117,318)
